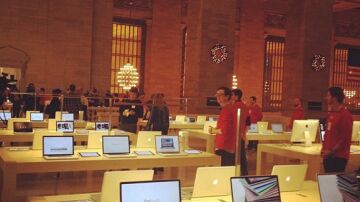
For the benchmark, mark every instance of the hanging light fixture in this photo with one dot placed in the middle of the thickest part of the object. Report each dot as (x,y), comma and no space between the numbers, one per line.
(234,82)
(127,76)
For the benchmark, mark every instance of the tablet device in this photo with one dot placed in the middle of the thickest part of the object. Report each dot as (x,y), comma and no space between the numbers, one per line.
(89,154)
(143,153)
(192,151)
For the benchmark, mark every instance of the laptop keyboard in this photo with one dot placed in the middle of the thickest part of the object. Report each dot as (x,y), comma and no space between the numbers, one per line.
(120,156)
(60,157)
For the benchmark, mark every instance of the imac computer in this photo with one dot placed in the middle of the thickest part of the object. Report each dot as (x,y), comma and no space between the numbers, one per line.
(304,131)
(355,137)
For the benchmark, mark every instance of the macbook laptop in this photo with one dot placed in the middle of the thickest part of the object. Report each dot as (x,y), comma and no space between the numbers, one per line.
(28,113)
(339,188)
(95,139)
(146,139)
(116,146)
(36,116)
(67,117)
(5,115)
(213,181)
(190,119)
(58,147)
(277,128)
(291,177)
(102,126)
(168,145)
(23,127)
(212,119)
(253,128)
(65,126)
(262,126)
(110,191)
(255,188)
(150,191)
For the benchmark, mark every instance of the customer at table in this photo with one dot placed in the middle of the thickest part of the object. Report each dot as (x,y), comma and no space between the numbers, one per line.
(130,111)
(335,149)
(236,95)
(158,115)
(225,141)
(255,115)
(297,114)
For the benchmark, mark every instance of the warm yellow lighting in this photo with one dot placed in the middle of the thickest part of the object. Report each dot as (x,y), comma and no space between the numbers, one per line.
(349,93)
(127,76)
(234,82)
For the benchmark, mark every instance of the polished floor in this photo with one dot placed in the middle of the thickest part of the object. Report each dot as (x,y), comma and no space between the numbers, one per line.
(83,182)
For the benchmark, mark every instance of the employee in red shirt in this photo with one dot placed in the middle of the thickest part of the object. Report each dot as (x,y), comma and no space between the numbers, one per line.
(298,113)
(255,115)
(236,95)
(225,130)
(336,145)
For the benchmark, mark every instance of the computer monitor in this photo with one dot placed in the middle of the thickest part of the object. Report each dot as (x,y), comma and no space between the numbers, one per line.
(58,145)
(115,144)
(102,126)
(36,116)
(67,116)
(255,188)
(5,115)
(167,144)
(355,131)
(303,129)
(157,191)
(65,126)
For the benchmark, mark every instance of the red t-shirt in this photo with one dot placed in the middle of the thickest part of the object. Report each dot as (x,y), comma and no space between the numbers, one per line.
(338,132)
(244,113)
(227,124)
(255,113)
(298,114)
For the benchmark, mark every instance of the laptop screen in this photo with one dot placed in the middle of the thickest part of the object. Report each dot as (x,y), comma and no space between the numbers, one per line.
(65,126)
(341,187)
(277,128)
(102,126)
(67,116)
(255,188)
(154,191)
(167,144)
(23,127)
(36,116)
(116,144)
(5,116)
(58,145)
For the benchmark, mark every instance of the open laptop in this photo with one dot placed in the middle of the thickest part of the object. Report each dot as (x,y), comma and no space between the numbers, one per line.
(116,146)
(146,139)
(262,126)
(5,115)
(213,181)
(291,177)
(110,191)
(28,113)
(253,128)
(339,187)
(150,191)
(102,126)
(65,126)
(277,128)
(255,188)
(95,139)
(168,145)
(58,147)
(67,116)
(36,116)
(23,127)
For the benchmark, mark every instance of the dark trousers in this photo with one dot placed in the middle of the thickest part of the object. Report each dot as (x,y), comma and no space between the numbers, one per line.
(228,159)
(253,144)
(334,164)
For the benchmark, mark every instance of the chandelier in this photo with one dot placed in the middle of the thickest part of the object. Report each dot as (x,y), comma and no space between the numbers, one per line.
(127,76)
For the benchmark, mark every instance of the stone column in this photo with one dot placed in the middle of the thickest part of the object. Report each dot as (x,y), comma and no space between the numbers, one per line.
(208,22)
(309,32)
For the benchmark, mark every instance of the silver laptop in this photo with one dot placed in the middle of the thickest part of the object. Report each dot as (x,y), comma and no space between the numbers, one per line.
(291,177)
(67,116)
(213,181)
(255,188)
(277,128)
(253,128)
(65,126)
(102,126)
(36,116)
(58,147)
(168,145)
(150,191)
(5,115)
(339,188)
(116,146)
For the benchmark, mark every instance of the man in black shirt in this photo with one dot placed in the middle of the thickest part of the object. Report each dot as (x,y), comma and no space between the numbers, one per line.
(130,111)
